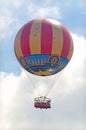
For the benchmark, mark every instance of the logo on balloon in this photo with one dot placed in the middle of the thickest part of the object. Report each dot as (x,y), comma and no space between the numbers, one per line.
(43,65)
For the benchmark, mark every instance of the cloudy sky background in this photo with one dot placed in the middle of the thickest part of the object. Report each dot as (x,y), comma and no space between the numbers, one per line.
(68,96)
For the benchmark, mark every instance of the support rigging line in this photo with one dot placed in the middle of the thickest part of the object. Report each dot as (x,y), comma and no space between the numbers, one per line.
(53,83)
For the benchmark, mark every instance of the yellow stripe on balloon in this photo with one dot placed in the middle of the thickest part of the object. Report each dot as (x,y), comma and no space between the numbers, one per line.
(57,40)
(35,37)
(18,50)
(71,49)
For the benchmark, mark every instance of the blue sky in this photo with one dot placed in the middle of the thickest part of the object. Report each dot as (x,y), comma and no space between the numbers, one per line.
(17,94)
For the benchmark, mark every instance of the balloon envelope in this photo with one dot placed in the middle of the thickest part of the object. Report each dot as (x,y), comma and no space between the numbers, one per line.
(43,47)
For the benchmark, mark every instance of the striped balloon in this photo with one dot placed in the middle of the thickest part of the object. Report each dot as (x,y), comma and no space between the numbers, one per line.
(43,47)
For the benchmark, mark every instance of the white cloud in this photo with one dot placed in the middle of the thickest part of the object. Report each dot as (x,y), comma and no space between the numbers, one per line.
(14,13)
(7,22)
(68,97)
(17,3)
(37,11)
(47,11)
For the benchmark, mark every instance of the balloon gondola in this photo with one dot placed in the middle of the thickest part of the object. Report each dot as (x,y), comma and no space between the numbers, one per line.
(42,102)
(43,47)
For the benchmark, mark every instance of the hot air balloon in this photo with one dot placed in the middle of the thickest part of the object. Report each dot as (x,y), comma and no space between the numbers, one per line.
(43,47)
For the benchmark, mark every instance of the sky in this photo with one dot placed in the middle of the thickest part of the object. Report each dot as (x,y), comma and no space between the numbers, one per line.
(17,93)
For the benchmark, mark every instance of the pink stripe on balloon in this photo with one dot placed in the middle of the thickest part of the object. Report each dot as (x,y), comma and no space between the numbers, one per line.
(46,37)
(66,42)
(25,39)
